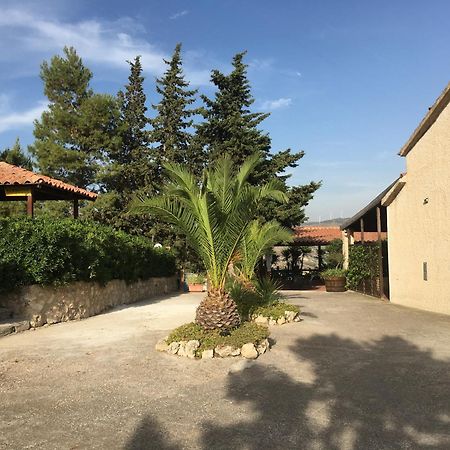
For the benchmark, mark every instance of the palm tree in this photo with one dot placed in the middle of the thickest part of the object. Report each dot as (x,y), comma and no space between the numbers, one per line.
(258,239)
(214,215)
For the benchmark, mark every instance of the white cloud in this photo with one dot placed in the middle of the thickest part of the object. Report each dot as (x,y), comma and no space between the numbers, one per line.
(271,105)
(101,43)
(24,119)
(179,14)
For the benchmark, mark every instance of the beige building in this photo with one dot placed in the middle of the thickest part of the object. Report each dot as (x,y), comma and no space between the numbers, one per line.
(418,216)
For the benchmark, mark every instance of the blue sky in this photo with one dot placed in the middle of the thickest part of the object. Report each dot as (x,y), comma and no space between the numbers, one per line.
(347,81)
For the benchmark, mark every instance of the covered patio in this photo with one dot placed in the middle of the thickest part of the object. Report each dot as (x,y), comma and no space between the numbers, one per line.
(18,184)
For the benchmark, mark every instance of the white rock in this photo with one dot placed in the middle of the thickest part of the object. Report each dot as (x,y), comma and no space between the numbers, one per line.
(290,315)
(207,354)
(272,322)
(297,318)
(182,348)
(173,347)
(261,320)
(161,346)
(263,346)
(281,320)
(191,347)
(236,352)
(223,350)
(248,351)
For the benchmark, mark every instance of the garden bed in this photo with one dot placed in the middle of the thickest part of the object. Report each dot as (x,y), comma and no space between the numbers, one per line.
(249,341)
(276,314)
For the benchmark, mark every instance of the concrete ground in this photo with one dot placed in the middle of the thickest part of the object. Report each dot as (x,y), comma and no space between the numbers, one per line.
(356,373)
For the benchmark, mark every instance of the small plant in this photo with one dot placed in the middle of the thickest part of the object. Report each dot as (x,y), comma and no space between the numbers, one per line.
(332,273)
(195,278)
(274,311)
(210,339)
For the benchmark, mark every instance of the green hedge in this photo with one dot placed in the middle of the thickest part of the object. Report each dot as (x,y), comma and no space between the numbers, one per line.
(55,251)
(363,264)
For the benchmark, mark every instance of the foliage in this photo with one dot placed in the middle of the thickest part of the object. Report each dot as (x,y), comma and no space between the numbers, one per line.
(174,118)
(261,293)
(16,156)
(195,278)
(293,254)
(215,215)
(230,127)
(79,126)
(330,273)
(247,332)
(333,254)
(257,241)
(275,310)
(47,251)
(363,264)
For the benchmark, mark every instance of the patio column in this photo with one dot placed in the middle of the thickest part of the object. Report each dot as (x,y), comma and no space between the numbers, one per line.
(362,230)
(30,204)
(380,253)
(347,241)
(75,209)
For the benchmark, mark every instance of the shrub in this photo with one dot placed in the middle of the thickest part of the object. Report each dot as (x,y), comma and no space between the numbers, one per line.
(330,273)
(247,332)
(363,264)
(195,278)
(54,251)
(274,311)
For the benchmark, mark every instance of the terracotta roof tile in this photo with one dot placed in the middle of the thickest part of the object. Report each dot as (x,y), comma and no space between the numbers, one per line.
(316,235)
(16,176)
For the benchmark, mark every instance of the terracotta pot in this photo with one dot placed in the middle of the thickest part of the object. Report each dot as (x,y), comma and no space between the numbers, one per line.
(196,287)
(335,284)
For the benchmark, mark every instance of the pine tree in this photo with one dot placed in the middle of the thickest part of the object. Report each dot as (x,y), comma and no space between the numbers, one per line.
(79,127)
(16,156)
(231,127)
(174,117)
(131,169)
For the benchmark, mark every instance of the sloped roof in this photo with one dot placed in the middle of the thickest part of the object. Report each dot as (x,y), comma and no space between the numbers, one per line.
(16,176)
(431,116)
(316,235)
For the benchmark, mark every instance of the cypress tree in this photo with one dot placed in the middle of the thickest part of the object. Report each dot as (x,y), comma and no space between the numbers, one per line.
(174,117)
(79,126)
(231,127)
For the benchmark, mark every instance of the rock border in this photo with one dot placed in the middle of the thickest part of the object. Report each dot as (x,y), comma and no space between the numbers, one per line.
(289,317)
(189,349)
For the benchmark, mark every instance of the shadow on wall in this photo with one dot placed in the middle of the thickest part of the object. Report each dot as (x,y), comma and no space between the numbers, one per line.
(383,395)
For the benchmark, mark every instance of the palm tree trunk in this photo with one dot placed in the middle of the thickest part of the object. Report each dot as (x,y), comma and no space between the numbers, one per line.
(217,311)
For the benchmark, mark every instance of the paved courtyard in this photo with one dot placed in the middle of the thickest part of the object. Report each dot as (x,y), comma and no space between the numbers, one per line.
(356,373)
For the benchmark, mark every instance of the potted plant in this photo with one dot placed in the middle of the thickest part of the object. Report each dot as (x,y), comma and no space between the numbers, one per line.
(196,282)
(335,279)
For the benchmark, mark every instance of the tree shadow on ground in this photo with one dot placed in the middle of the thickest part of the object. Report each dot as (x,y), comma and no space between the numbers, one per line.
(387,394)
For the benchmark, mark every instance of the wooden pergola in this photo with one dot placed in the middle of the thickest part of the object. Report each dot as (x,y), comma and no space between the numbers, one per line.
(18,184)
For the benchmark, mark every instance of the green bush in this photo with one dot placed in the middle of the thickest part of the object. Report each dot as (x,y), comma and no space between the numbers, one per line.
(275,311)
(54,251)
(195,278)
(363,264)
(331,273)
(247,332)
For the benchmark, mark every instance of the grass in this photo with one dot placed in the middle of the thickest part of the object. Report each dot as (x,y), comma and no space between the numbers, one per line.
(247,332)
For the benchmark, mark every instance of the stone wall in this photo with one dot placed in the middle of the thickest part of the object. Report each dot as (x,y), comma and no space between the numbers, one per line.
(49,304)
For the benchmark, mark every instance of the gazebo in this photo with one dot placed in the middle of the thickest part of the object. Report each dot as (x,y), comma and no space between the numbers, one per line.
(18,184)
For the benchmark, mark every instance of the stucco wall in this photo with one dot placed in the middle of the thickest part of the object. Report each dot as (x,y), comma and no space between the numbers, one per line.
(48,304)
(419,224)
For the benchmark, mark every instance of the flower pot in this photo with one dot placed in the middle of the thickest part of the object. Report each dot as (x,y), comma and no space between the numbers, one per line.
(335,284)
(196,287)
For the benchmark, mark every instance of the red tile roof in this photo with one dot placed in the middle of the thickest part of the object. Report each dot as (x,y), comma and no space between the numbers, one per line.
(16,176)
(316,235)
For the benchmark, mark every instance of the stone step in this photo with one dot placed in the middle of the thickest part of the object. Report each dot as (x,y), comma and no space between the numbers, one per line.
(8,327)
(5,314)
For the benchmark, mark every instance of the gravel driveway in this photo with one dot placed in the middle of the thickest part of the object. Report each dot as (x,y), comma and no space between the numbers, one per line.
(356,373)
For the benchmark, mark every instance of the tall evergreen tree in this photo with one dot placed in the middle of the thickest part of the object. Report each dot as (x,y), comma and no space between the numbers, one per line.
(231,127)
(174,117)
(131,169)
(79,126)
(16,156)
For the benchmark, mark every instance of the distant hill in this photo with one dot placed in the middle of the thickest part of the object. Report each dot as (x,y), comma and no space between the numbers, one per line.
(328,223)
